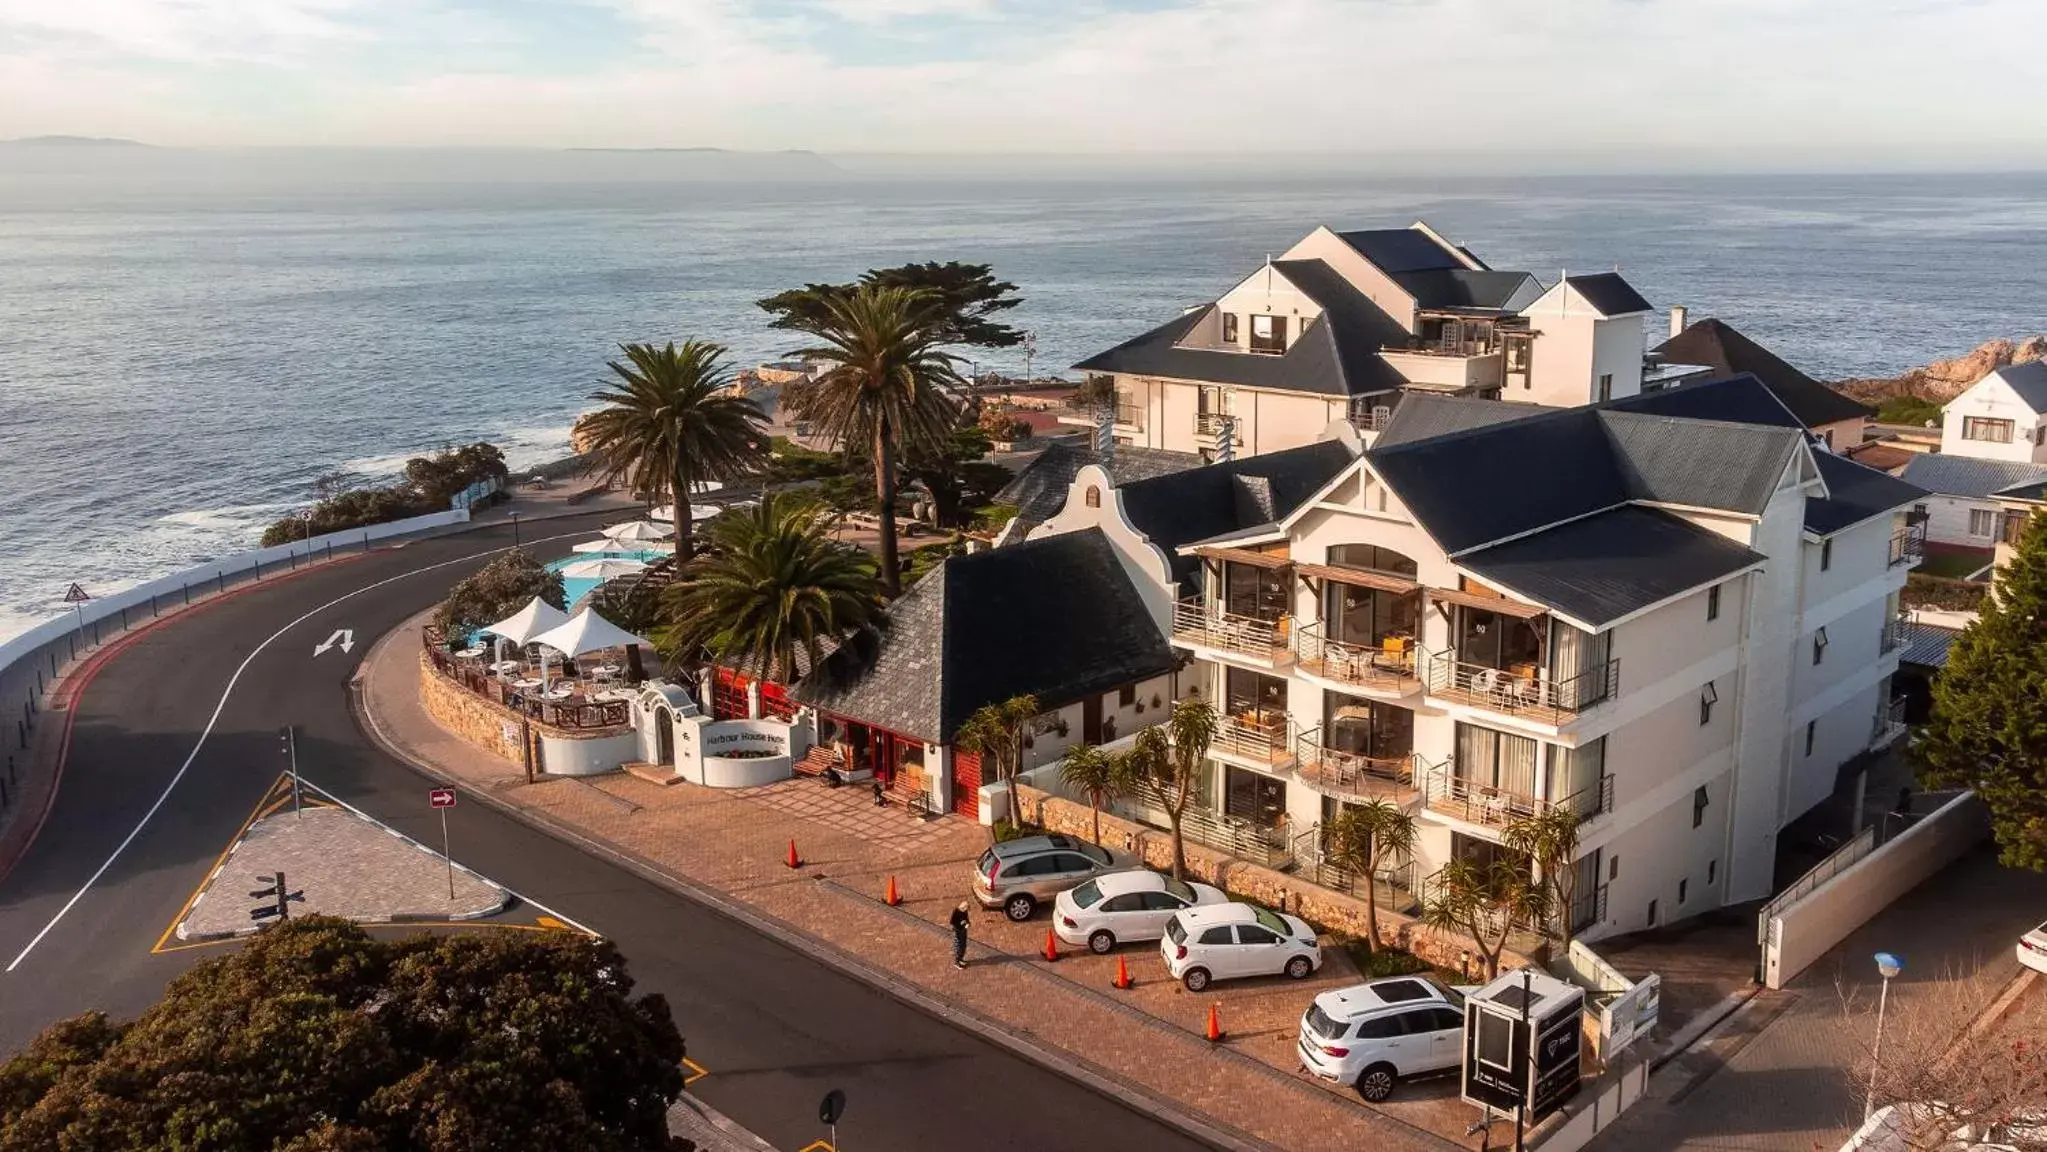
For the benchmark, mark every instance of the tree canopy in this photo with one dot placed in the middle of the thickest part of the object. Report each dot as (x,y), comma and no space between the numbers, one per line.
(316,1036)
(1988,730)
(968,295)
(497,590)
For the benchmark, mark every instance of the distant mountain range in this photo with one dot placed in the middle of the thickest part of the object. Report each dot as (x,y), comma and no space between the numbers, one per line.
(73,142)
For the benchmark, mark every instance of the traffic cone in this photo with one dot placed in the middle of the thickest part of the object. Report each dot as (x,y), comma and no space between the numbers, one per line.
(1123,979)
(1215,1025)
(1051,945)
(795,861)
(890,896)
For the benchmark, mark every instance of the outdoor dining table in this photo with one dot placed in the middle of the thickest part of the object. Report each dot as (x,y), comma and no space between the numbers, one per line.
(472,652)
(558,694)
(526,683)
(607,670)
(506,667)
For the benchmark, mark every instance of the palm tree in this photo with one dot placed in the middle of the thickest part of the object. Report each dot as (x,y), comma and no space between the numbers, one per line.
(1102,776)
(673,423)
(1484,903)
(772,584)
(1170,758)
(1550,839)
(995,733)
(884,386)
(1362,838)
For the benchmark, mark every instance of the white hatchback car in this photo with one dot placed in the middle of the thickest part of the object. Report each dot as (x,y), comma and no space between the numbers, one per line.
(1371,1035)
(2033,949)
(1125,906)
(1230,941)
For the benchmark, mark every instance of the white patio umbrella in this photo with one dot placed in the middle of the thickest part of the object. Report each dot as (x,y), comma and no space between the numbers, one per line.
(604,568)
(523,626)
(640,530)
(615,546)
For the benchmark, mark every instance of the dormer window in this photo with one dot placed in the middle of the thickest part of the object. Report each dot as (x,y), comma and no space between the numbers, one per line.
(1268,334)
(1229,327)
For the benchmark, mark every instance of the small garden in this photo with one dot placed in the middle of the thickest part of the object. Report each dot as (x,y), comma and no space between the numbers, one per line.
(428,485)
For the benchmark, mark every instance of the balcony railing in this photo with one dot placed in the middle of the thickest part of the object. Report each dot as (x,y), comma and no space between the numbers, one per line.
(1394,886)
(1908,545)
(1199,622)
(1212,424)
(1474,803)
(1431,890)
(1268,846)
(1264,737)
(1527,693)
(1382,667)
(1896,634)
(1349,775)
(1888,726)
(1372,413)
(1130,416)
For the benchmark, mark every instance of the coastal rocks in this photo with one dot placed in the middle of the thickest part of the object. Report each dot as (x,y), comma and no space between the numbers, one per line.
(1943,380)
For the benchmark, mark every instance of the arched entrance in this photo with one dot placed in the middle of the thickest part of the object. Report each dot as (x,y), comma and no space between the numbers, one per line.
(664,736)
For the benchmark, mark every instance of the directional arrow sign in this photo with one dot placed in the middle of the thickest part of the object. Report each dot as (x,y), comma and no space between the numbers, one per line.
(343,637)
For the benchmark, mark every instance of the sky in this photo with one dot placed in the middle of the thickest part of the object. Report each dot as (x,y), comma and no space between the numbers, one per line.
(1894,82)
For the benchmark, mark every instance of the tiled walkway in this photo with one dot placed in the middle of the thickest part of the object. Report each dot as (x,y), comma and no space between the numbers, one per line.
(851,810)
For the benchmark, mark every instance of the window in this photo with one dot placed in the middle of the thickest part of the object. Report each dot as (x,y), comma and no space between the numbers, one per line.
(1826,438)
(1613,868)
(1229,327)
(1164,902)
(1126,696)
(1708,697)
(1713,602)
(1128,902)
(1094,496)
(1605,387)
(1253,934)
(1982,522)
(1382,1028)
(1819,645)
(1372,558)
(1983,428)
(1712,870)
(2040,435)
(1812,728)
(1652,913)
(1220,934)
(1681,885)
(1268,334)
(1919,513)
(1826,555)
(1699,802)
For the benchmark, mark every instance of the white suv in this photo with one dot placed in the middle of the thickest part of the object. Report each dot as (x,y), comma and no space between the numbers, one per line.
(1226,941)
(1372,1034)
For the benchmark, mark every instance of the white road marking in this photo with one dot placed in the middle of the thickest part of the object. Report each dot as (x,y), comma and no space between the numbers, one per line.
(342,636)
(215,719)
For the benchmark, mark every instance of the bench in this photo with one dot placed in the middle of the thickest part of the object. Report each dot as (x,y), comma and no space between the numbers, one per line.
(919,805)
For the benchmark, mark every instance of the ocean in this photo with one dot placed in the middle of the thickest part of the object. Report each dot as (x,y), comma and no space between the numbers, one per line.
(187,340)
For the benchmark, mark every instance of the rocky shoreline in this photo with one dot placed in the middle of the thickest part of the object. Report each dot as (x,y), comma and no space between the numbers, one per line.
(1943,380)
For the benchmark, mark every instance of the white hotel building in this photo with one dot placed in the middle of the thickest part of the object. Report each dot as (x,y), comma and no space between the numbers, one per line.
(1670,612)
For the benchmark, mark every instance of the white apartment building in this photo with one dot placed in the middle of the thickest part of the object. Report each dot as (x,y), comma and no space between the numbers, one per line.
(1993,444)
(1670,613)
(1343,324)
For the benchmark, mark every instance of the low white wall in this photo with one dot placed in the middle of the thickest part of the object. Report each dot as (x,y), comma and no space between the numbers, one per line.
(1806,930)
(1598,1104)
(561,756)
(699,743)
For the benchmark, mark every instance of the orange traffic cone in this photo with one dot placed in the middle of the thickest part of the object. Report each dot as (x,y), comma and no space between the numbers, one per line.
(1123,979)
(1215,1026)
(890,896)
(1051,945)
(795,861)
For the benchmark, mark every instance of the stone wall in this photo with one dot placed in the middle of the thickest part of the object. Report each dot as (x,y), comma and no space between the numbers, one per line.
(487,724)
(1331,910)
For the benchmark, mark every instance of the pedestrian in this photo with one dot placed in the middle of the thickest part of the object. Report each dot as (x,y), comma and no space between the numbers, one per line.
(880,794)
(1904,807)
(959,935)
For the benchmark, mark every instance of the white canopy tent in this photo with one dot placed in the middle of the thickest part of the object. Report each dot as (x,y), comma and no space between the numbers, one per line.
(587,632)
(638,531)
(526,625)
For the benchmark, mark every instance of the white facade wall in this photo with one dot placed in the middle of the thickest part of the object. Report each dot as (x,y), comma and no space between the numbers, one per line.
(1574,346)
(1664,859)
(1991,398)
(1267,421)
(1763,699)
(1948,521)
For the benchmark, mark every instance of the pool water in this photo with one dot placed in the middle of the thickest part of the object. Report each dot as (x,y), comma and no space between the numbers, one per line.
(574,588)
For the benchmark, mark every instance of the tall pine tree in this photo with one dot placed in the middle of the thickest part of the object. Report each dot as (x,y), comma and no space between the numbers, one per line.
(1989,724)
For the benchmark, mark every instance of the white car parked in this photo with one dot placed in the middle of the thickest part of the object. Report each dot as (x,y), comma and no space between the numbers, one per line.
(1230,941)
(1125,906)
(1371,1035)
(2033,949)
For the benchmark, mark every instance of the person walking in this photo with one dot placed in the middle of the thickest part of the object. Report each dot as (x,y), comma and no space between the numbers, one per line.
(959,935)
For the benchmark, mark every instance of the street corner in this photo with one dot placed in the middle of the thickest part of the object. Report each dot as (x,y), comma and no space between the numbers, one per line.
(301,852)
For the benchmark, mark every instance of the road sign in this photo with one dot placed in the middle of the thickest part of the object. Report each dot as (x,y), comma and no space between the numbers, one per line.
(75,595)
(279,896)
(441,798)
(832,1106)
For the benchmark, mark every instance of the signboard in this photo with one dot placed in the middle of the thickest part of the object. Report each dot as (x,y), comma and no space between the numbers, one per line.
(75,595)
(441,798)
(1632,1015)
(1522,1035)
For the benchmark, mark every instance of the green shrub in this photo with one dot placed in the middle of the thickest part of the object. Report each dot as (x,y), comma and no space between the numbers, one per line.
(1914,410)
(1924,591)
(1005,830)
(495,591)
(430,483)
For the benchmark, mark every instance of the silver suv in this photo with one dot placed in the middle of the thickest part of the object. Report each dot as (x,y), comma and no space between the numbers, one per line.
(1018,875)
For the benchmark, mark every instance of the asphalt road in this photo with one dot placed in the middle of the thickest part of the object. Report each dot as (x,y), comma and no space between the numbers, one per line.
(774,1027)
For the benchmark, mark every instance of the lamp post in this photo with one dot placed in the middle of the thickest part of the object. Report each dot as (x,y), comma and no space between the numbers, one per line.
(515,528)
(1888,964)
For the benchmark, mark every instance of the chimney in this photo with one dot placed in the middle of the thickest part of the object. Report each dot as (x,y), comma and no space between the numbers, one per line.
(1677,319)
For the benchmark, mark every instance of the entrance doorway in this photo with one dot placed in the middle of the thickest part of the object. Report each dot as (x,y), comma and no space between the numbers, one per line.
(664,736)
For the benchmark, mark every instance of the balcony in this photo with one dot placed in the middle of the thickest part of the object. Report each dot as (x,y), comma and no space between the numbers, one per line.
(1209,429)
(1260,736)
(1447,793)
(1461,369)
(1199,624)
(1387,667)
(1888,726)
(1522,691)
(1896,634)
(1130,417)
(1908,545)
(1350,776)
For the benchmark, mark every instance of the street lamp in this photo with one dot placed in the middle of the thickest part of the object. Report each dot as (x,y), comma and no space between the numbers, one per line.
(1887,965)
(515,528)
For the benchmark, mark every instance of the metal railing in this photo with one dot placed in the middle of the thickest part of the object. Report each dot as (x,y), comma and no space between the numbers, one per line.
(1517,694)
(574,714)
(1484,804)
(1862,845)
(1266,741)
(1592,802)
(1370,417)
(1897,633)
(1489,918)
(1888,725)
(1588,908)
(1335,772)
(1393,887)
(1268,846)
(1375,667)
(1908,545)
(1199,622)
(1214,423)
(1130,416)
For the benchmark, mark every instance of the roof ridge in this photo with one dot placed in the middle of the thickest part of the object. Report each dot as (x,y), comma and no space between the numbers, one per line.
(1464,433)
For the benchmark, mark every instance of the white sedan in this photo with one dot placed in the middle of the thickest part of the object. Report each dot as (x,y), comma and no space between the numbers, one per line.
(2033,949)
(1124,906)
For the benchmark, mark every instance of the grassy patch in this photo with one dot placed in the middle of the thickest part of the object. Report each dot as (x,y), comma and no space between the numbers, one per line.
(1952,565)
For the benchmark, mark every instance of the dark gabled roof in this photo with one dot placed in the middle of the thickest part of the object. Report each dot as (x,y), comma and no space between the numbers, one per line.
(1740,399)
(1702,463)
(1358,326)
(1396,250)
(1610,293)
(1968,476)
(1424,415)
(1718,345)
(1201,503)
(1927,645)
(2029,380)
(1600,568)
(1039,490)
(1056,618)
(1316,362)
(1855,492)
(1462,287)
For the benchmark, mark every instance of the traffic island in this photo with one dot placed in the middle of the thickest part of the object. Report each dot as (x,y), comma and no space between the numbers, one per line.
(336,863)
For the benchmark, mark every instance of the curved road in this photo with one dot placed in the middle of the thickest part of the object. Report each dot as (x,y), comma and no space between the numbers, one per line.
(175,741)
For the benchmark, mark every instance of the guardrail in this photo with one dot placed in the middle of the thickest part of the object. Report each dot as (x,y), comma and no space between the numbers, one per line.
(1863,843)
(1907,545)
(570,715)
(1242,736)
(1369,666)
(1503,690)
(1198,622)
(1336,772)
(1476,803)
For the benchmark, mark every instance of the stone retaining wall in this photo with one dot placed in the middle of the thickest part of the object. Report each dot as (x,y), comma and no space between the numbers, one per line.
(487,724)
(1326,907)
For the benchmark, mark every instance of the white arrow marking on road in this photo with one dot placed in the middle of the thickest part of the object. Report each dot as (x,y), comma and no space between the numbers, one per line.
(342,636)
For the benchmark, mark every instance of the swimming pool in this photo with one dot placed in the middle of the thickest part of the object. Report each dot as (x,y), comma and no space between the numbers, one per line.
(574,588)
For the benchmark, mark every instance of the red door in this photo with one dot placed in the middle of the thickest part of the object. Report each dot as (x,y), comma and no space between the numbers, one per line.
(966,783)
